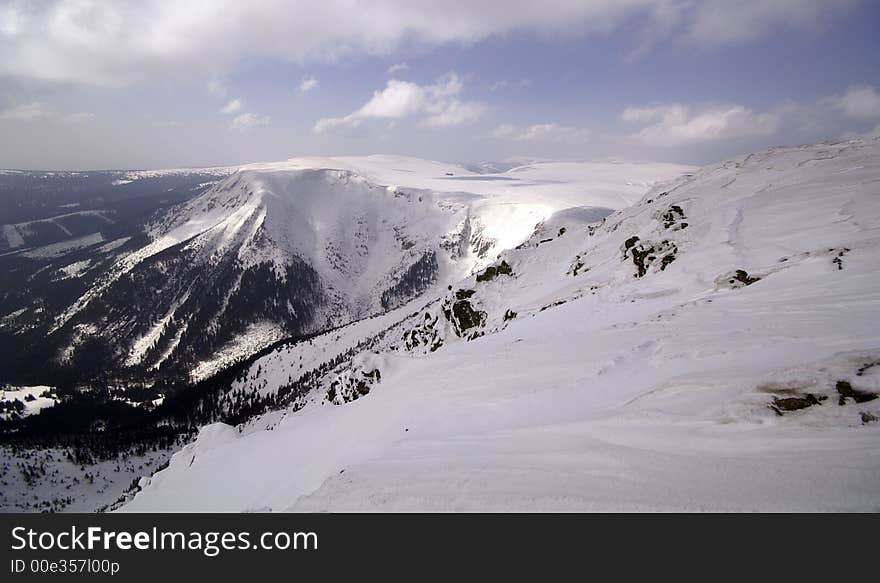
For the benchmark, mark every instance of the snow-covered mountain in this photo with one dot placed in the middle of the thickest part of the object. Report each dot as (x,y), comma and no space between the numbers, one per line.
(299,247)
(712,345)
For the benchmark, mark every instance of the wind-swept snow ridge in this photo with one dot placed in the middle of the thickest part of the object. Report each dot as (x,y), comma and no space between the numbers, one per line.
(296,247)
(712,347)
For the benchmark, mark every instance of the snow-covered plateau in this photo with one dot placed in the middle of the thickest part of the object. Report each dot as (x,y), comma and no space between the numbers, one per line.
(712,345)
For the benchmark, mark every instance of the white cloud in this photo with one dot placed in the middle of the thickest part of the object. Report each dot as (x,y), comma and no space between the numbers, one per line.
(677,124)
(505,84)
(397,67)
(232,106)
(503,131)
(860,102)
(26,112)
(553,132)
(455,113)
(248,121)
(119,42)
(399,99)
(307,85)
(436,105)
(337,125)
(542,132)
(216,87)
(722,22)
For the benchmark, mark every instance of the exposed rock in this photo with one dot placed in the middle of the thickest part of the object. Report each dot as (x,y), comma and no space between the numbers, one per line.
(494,271)
(866,367)
(553,305)
(352,384)
(736,279)
(846,391)
(788,404)
(646,253)
(672,218)
(466,316)
(427,334)
(464,294)
(627,245)
(838,258)
(577,266)
(743,277)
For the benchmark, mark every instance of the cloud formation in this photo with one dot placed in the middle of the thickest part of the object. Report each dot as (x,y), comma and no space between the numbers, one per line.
(505,84)
(860,102)
(542,132)
(124,41)
(216,87)
(308,84)
(677,124)
(232,106)
(722,22)
(248,121)
(397,67)
(436,105)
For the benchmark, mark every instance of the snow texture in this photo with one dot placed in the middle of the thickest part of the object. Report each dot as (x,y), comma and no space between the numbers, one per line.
(713,346)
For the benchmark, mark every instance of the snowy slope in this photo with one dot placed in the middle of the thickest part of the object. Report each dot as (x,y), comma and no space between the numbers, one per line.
(296,247)
(712,347)
(32,400)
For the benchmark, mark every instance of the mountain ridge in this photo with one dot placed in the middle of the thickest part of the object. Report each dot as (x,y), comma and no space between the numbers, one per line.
(348,237)
(710,347)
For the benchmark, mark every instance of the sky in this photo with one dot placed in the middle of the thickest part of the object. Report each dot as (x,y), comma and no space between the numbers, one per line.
(88,84)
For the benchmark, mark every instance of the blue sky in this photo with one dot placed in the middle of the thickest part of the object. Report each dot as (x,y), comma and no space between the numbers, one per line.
(88,84)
